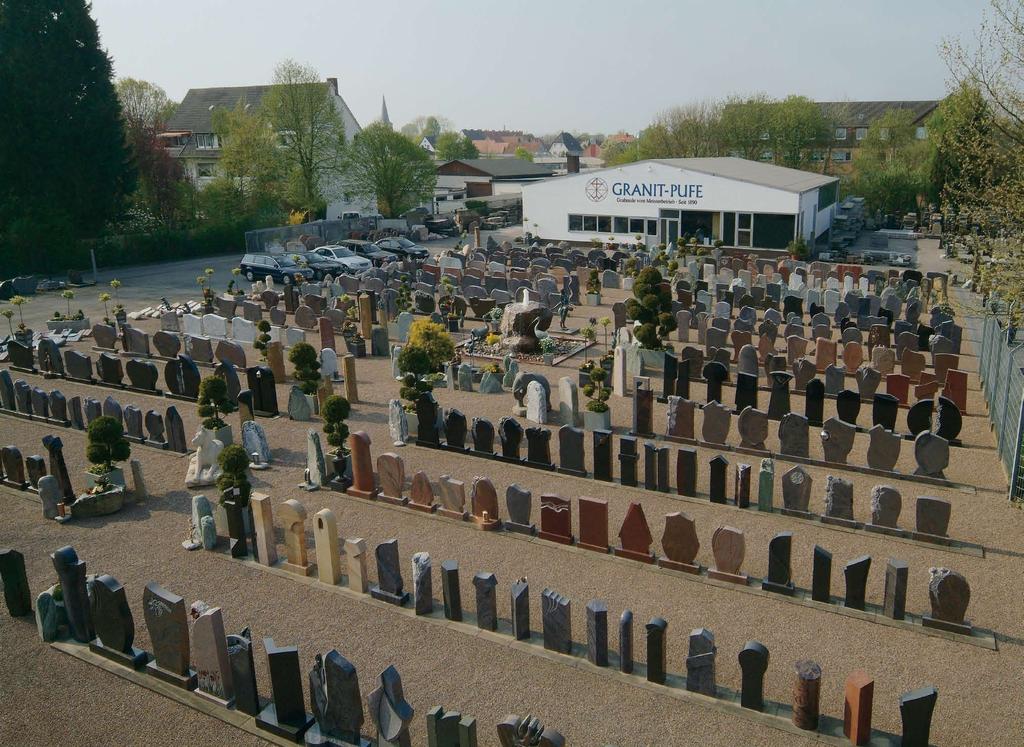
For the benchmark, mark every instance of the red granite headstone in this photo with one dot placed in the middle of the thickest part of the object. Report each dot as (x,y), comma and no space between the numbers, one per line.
(555,519)
(635,536)
(898,385)
(860,690)
(326,333)
(593,524)
(956,388)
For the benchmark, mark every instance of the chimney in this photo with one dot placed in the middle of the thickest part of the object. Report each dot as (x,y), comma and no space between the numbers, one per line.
(572,164)
(333,83)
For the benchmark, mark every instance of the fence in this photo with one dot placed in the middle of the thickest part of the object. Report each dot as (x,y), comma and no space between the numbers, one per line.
(1001,367)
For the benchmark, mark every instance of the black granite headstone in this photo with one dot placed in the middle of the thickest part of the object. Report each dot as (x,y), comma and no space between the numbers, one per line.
(657,650)
(848,406)
(602,441)
(450,590)
(753,663)
(538,448)
(714,374)
(511,434)
(627,461)
(686,471)
(916,708)
(746,391)
(483,437)
(626,642)
(856,573)
(814,401)
(780,576)
(821,575)
(719,467)
(884,410)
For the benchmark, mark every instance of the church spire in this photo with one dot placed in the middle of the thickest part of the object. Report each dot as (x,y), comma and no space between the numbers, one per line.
(384,111)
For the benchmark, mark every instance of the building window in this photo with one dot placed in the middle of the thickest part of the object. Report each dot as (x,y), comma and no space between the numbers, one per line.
(861,133)
(575,222)
(604,224)
(883,133)
(652,228)
(205,141)
(589,222)
(744,229)
(840,133)
(204,169)
(921,133)
(620,225)
(636,226)
(840,155)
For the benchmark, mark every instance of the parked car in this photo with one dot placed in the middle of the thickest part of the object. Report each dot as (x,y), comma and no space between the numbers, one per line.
(403,248)
(320,265)
(281,267)
(346,259)
(369,251)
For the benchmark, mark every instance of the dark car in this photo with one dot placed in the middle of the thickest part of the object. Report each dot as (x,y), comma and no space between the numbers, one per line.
(370,251)
(321,264)
(281,267)
(403,248)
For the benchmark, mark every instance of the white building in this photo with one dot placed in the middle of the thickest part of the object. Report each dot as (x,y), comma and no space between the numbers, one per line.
(743,203)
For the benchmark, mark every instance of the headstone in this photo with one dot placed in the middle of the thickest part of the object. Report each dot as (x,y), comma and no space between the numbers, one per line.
(557,621)
(167,622)
(856,575)
(753,663)
(700,662)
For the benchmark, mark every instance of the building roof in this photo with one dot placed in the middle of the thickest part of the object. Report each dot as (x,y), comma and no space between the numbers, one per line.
(195,112)
(572,145)
(504,168)
(854,113)
(754,172)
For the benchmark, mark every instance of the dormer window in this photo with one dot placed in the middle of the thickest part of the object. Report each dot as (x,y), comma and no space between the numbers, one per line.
(206,141)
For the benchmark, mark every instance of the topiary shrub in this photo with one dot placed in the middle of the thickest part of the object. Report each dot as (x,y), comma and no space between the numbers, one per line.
(596,391)
(213,402)
(652,307)
(263,338)
(434,340)
(335,412)
(234,463)
(412,387)
(106,445)
(307,366)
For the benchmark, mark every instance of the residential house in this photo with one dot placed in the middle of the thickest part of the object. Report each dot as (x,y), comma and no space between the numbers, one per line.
(481,177)
(851,120)
(429,144)
(503,142)
(189,135)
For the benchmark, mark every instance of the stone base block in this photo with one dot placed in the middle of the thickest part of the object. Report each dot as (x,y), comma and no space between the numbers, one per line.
(391,499)
(734,578)
(422,508)
(314,738)
(603,549)
(267,720)
(963,629)
(573,472)
(137,659)
(222,702)
(836,521)
(298,570)
(559,538)
(787,589)
(512,526)
(185,682)
(399,600)
(674,565)
(797,514)
(621,552)
(879,529)
(449,514)
(369,495)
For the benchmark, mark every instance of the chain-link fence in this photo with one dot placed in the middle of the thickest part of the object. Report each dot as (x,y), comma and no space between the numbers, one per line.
(1001,367)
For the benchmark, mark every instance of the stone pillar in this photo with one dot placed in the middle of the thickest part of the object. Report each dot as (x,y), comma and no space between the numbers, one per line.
(806,691)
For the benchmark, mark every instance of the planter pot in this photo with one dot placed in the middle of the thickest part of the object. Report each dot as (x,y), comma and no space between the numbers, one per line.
(114,477)
(607,365)
(223,435)
(549,359)
(24,337)
(597,421)
(72,325)
(356,347)
(593,299)
(584,377)
(453,325)
(101,504)
(121,317)
(342,470)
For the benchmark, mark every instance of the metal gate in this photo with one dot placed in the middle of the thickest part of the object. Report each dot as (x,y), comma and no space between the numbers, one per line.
(1002,382)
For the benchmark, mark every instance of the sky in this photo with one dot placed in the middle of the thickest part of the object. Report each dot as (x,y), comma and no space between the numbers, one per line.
(542,67)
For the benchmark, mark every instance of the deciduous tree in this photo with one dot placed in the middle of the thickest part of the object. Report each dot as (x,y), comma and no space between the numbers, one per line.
(384,163)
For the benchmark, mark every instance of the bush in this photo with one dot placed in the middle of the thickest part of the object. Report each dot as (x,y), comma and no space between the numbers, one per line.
(652,307)
(263,338)
(594,283)
(415,360)
(492,339)
(797,247)
(235,465)
(307,366)
(106,445)
(213,402)
(335,412)
(412,387)
(434,340)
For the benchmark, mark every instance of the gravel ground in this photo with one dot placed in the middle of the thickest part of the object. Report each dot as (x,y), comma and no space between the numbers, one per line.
(478,677)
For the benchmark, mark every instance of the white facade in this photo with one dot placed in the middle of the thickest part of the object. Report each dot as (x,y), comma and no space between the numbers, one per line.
(714,198)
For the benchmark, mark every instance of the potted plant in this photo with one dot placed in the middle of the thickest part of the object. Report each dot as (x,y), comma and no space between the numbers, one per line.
(307,370)
(235,290)
(584,372)
(8,315)
(597,416)
(213,402)
(651,305)
(203,281)
(493,319)
(106,446)
(335,412)
(24,334)
(120,315)
(594,288)
(797,248)
(68,321)
(589,335)
(548,348)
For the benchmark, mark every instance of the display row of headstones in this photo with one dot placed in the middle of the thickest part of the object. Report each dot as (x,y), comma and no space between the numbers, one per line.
(151,428)
(556,624)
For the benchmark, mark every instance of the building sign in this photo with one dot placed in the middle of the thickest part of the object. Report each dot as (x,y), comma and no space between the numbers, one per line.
(648,193)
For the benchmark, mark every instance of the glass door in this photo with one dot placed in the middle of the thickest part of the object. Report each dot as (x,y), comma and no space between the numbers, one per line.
(669,231)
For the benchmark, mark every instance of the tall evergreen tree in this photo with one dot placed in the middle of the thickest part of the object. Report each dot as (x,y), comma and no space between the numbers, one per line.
(64,165)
